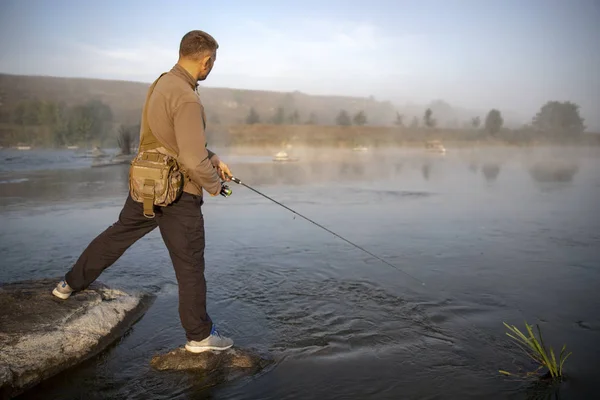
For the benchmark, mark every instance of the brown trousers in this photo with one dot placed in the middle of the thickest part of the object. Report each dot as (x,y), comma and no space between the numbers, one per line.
(182,228)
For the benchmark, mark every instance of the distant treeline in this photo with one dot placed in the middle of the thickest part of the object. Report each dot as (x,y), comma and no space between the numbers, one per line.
(49,124)
(555,119)
(277,136)
(556,122)
(53,124)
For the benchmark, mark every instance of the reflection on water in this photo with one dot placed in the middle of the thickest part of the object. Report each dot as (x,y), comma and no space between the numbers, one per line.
(552,171)
(339,323)
(40,159)
(426,170)
(490,171)
(65,184)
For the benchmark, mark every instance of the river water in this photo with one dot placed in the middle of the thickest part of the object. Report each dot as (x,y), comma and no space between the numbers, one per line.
(496,234)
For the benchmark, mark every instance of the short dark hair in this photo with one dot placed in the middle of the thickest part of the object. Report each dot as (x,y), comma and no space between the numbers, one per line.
(195,44)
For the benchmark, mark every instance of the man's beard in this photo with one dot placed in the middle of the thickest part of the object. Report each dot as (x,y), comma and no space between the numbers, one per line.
(203,76)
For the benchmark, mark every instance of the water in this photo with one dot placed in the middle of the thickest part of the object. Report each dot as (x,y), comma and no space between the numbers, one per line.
(495,235)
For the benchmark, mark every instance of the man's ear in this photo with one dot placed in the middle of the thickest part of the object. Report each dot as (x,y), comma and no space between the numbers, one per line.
(208,62)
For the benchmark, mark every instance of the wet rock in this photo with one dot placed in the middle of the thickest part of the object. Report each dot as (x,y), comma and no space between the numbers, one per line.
(232,360)
(41,335)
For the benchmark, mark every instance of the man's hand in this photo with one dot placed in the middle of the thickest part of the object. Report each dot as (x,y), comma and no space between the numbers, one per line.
(222,168)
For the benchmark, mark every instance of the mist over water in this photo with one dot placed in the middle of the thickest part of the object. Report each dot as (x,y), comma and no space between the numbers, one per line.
(497,234)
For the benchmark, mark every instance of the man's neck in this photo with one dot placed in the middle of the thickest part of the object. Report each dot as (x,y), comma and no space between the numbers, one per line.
(191,69)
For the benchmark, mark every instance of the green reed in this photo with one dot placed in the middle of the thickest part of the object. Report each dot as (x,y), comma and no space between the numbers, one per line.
(536,350)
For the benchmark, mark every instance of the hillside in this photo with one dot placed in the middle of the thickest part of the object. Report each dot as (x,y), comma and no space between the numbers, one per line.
(51,111)
(223,106)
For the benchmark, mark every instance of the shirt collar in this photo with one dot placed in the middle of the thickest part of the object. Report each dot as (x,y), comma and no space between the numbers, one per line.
(180,72)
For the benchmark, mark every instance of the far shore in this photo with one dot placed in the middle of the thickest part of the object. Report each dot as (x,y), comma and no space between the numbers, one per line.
(277,137)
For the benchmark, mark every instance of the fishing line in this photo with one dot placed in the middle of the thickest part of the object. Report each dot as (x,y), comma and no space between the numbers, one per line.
(239,182)
(227,192)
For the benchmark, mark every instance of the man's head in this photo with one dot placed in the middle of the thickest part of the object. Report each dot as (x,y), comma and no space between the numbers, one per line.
(197,53)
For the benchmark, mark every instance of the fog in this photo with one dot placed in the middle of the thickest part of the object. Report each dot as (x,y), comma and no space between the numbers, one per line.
(322,165)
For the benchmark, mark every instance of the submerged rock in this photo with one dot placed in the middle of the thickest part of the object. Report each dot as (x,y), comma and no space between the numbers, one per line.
(232,361)
(41,335)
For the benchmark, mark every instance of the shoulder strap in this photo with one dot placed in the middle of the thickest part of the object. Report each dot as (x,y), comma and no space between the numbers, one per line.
(147,139)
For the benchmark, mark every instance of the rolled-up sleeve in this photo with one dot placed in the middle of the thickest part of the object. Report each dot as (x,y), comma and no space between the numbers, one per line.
(191,141)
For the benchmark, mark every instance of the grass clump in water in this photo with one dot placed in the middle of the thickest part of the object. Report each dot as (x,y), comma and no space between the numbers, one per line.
(536,350)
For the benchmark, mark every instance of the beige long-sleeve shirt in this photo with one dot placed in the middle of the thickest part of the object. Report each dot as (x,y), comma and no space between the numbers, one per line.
(176,117)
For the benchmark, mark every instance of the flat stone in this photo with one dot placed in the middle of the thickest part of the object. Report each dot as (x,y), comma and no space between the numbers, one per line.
(41,335)
(233,361)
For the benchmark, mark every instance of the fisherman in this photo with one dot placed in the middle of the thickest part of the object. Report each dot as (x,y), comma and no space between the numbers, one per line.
(175,116)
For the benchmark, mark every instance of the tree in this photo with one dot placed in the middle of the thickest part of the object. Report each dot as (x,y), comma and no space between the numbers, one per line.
(476,122)
(49,113)
(51,123)
(294,117)
(57,120)
(33,112)
(559,119)
(343,118)
(28,112)
(493,122)
(125,138)
(253,117)
(62,126)
(6,115)
(360,118)
(89,122)
(18,115)
(399,119)
(312,119)
(80,125)
(428,120)
(414,124)
(279,117)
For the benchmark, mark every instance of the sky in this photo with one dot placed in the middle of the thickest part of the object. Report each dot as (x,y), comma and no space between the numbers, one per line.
(479,54)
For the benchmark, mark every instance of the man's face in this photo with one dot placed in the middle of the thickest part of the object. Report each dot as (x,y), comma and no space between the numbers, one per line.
(207,65)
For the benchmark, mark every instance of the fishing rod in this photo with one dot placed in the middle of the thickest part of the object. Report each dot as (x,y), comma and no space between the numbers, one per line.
(226,191)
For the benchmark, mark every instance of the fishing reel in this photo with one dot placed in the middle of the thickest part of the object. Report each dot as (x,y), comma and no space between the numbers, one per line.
(226,191)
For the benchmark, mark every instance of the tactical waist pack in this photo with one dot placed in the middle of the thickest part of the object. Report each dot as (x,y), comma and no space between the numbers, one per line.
(155,178)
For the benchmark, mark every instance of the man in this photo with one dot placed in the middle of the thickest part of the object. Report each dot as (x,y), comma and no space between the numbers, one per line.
(175,116)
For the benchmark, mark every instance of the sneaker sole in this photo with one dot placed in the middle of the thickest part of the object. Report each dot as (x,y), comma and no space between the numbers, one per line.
(60,295)
(206,348)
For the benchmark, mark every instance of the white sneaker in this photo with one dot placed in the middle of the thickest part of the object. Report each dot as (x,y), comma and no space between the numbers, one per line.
(62,290)
(213,342)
